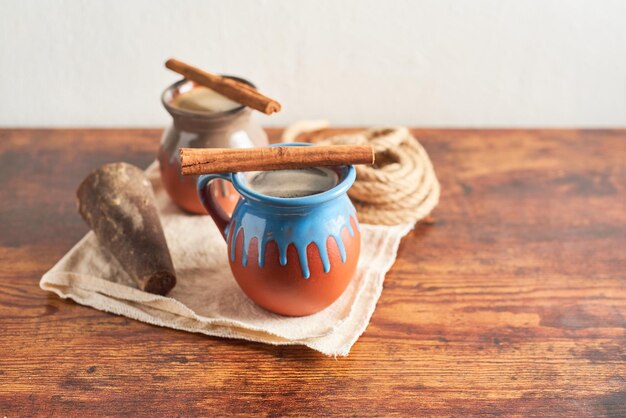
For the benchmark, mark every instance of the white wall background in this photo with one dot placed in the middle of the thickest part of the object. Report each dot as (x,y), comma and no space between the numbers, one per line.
(353,62)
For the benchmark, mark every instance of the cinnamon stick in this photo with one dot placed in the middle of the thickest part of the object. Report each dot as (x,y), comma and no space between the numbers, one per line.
(226,160)
(234,90)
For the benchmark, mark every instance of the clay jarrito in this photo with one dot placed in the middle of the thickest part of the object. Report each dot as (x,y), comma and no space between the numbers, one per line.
(292,256)
(229,129)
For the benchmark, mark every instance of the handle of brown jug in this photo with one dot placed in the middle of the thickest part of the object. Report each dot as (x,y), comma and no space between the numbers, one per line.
(220,217)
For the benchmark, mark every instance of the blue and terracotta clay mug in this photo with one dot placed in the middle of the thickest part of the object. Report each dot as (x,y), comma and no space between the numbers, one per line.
(292,256)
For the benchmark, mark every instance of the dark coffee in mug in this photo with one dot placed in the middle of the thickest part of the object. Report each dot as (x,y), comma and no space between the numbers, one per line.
(293,183)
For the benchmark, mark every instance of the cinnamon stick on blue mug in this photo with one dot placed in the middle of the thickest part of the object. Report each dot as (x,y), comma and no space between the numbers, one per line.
(231,160)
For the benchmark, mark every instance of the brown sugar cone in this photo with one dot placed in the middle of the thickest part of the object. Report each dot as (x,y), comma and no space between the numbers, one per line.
(117,202)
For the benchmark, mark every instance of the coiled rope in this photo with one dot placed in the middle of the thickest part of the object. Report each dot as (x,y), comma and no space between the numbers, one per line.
(401,187)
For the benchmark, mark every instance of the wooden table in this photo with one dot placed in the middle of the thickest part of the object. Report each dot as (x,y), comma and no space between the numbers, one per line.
(513,302)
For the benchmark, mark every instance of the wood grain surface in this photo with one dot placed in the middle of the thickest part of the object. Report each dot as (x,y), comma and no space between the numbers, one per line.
(513,303)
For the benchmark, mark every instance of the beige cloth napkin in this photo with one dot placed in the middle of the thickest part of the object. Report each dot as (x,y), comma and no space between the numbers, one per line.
(206,298)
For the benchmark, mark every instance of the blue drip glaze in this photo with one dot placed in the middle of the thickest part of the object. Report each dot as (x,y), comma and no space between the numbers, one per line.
(297,226)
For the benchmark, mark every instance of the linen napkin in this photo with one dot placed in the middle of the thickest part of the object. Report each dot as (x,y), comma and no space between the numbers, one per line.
(207,299)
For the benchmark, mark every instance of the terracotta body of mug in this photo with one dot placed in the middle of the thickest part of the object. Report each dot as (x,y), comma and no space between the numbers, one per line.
(292,256)
(196,129)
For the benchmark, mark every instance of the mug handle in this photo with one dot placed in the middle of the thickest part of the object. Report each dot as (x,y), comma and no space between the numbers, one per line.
(218,214)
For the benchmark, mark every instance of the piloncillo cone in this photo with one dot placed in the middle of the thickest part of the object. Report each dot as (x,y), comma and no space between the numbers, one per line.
(117,202)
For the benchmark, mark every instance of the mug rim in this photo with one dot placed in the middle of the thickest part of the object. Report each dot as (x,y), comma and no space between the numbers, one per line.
(172,110)
(348,171)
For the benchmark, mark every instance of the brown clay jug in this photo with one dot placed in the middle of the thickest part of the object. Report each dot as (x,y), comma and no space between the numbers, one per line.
(198,129)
